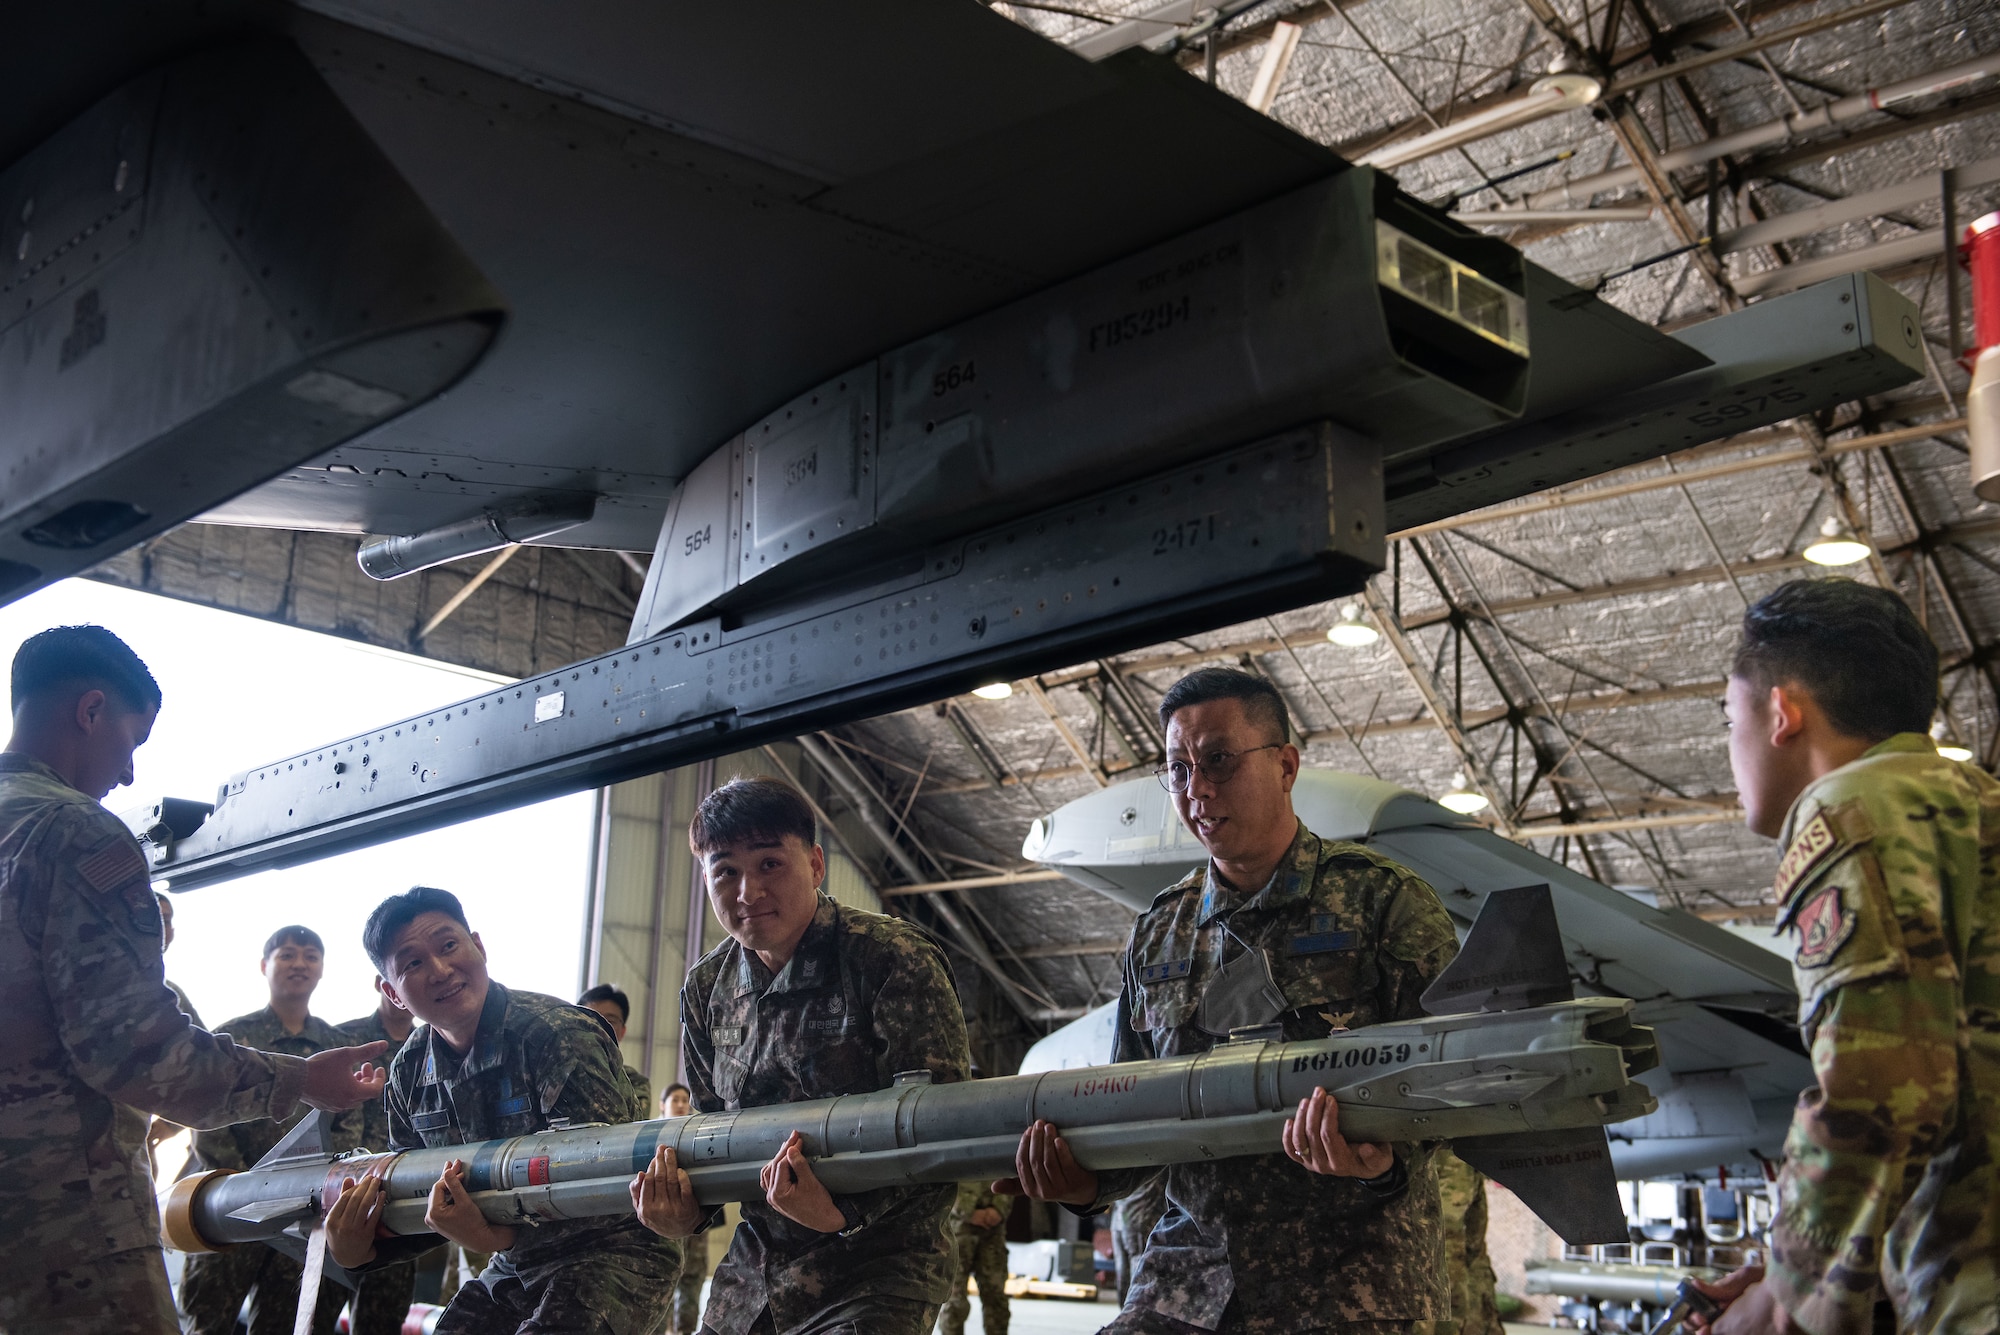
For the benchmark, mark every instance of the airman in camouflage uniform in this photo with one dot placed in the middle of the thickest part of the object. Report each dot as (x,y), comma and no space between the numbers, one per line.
(1354,939)
(1890,887)
(864,997)
(490,1063)
(90,1021)
(1891,881)
(214,1284)
(382,1301)
(537,1060)
(1311,937)
(982,1255)
(616,1008)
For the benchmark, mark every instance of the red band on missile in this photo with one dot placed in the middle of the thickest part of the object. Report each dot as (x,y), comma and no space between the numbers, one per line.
(538,1171)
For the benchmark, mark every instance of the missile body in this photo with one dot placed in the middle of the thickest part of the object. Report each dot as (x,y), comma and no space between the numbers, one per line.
(1614,1281)
(1531,1073)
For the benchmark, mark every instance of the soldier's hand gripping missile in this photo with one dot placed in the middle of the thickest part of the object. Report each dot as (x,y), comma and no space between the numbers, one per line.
(1523,1086)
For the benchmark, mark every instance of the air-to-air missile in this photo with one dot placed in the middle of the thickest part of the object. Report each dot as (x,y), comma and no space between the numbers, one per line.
(1520,1076)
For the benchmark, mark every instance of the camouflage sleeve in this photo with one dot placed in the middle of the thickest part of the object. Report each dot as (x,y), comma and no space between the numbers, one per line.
(219,1148)
(402,1136)
(123,1029)
(697,1053)
(920,1026)
(1883,1025)
(578,1074)
(1417,942)
(698,1069)
(1129,1044)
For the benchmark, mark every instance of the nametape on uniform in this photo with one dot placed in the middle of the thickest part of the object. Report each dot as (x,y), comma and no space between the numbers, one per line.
(431,1121)
(1160,973)
(520,1103)
(1824,924)
(728,1035)
(1813,847)
(1318,943)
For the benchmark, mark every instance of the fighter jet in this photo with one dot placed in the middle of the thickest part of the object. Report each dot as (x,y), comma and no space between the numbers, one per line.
(1722,1006)
(915,348)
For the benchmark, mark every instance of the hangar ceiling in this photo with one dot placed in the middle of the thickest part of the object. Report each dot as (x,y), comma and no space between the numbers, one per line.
(1563,652)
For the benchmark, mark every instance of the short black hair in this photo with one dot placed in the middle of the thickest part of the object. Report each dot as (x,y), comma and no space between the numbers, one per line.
(1857,650)
(396,912)
(606,992)
(293,935)
(671,1088)
(1260,698)
(755,810)
(86,657)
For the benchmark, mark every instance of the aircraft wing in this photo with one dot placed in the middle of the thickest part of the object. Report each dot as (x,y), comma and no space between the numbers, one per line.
(693,211)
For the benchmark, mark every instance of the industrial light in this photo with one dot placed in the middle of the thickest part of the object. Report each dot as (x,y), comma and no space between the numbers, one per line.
(1461,798)
(1836,545)
(994,690)
(1353,630)
(1950,750)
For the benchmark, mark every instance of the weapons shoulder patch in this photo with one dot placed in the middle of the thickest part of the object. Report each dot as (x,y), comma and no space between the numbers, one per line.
(1812,848)
(1825,924)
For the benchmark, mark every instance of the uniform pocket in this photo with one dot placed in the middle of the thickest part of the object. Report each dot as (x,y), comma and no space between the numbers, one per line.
(1325,991)
(1166,1005)
(729,1077)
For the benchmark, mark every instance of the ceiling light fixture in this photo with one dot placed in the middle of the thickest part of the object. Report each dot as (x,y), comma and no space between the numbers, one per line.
(1836,545)
(1353,630)
(994,690)
(1947,748)
(1462,799)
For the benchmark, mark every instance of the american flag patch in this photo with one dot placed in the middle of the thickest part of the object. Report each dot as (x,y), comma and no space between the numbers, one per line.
(113,865)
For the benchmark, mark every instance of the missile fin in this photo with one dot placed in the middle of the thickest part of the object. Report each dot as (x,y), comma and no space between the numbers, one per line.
(1565,1177)
(274,1209)
(303,1143)
(1512,958)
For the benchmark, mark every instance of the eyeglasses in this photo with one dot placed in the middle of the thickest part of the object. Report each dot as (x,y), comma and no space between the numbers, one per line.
(1218,767)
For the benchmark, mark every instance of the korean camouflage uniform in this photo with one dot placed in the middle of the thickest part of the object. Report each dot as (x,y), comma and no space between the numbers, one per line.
(1133,1219)
(1259,1244)
(684,1312)
(383,1299)
(214,1284)
(864,997)
(535,1060)
(643,1108)
(1475,1308)
(1891,882)
(91,1025)
(982,1255)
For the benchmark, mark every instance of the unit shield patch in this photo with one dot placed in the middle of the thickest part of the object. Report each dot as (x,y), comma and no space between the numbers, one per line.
(1824,925)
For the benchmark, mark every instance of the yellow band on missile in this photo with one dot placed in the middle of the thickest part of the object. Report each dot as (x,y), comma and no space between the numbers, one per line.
(177,1228)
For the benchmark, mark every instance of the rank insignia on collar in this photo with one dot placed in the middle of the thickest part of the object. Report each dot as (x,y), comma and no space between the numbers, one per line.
(1160,973)
(1824,926)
